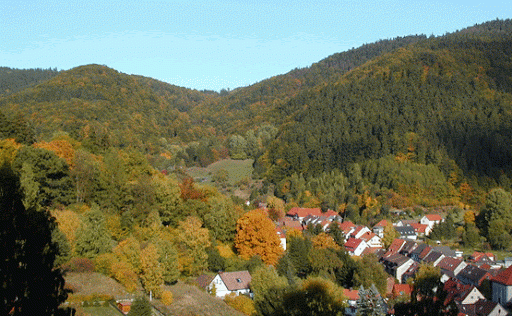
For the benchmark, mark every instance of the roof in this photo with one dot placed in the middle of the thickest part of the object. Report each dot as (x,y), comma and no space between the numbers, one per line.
(407,230)
(504,277)
(303,212)
(408,247)
(484,307)
(397,259)
(237,280)
(419,228)
(445,250)
(204,280)
(367,236)
(419,249)
(382,223)
(352,295)
(352,243)
(433,256)
(402,289)
(425,252)
(396,245)
(449,264)
(473,273)
(346,226)
(434,217)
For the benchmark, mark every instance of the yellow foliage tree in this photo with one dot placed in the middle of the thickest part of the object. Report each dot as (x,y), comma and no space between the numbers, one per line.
(61,147)
(192,240)
(123,272)
(8,149)
(68,222)
(167,297)
(241,303)
(324,241)
(128,250)
(152,274)
(256,235)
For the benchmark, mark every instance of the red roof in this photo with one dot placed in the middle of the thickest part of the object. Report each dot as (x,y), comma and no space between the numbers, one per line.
(402,289)
(367,236)
(504,277)
(303,212)
(352,295)
(419,228)
(396,245)
(382,223)
(352,244)
(346,226)
(434,217)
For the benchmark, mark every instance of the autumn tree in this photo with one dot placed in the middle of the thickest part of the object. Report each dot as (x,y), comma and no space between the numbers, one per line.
(256,235)
(129,251)
(168,258)
(390,234)
(151,270)
(141,307)
(275,208)
(192,240)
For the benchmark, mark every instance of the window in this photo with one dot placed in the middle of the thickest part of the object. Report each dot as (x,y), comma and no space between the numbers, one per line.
(239,280)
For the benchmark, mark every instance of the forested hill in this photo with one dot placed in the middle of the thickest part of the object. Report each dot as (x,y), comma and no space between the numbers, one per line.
(243,108)
(441,99)
(103,108)
(14,80)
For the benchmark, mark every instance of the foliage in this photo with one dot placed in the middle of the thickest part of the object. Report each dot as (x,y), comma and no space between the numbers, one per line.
(151,270)
(390,234)
(92,238)
(241,303)
(140,307)
(370,272)
(167,297)
(264,279)
(78,264)
(31,285)
(256,235)
(192,241)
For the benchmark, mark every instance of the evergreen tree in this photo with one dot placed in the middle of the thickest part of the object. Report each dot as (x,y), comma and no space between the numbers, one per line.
(141,307)
(92,238)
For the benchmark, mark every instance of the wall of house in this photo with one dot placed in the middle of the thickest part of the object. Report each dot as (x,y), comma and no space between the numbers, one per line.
(501,294)
(220,288)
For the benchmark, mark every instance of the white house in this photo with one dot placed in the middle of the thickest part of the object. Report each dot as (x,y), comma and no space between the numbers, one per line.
(231,282)
(282,237)
(502,287)
(431,220)
(355,247)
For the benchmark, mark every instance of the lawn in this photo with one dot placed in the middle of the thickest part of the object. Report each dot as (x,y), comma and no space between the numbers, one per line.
(237,170)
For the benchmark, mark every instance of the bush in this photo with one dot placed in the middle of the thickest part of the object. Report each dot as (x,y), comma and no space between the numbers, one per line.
(79,265)
(167,298)
(241,303)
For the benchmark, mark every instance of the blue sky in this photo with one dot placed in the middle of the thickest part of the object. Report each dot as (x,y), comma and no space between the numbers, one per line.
(216,44)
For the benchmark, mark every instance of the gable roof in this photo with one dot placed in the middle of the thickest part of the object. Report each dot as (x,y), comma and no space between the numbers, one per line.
(204,280)
(434,217)
(402,289)
(396,245)
(408,247)
(416,251)
(382,223)
(449,264)
(346,226)
(352,295)
(352,244)
(367,236)
(426,251)
(504,277)
(473,274)
(303,212)
(237,280)
(406,230)
(419,228)
(432,257)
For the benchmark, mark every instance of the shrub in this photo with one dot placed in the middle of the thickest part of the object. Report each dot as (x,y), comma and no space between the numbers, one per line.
(79,265)
(241,303)
(167,298)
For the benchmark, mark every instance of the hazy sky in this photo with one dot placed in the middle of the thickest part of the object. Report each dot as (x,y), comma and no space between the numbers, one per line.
(216,44)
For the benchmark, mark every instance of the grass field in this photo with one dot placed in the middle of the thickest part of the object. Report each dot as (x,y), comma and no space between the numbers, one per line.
(102,311)
(237,170)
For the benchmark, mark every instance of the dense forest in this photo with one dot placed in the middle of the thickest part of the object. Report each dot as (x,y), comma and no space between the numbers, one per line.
(101,158)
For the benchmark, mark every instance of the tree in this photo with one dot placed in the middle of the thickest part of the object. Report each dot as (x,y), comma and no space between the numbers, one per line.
(192,240)
(275,208)
(237,147)
(92,238)
(129,251)
(141,307)
(256,235)
(370,272)
(265,278)
(336,233)
(151,271)
(168,258)
(31,284)
(390,234)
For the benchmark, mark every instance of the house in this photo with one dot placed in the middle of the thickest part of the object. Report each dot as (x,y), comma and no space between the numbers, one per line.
(415,254)
(355,246)
(347,227)
(288,223)
(406,232)
(396,264)
(424,253)
(378,228)
(502,287)
(231,282)
(480,257)
(396,246)
(371,239)
(408,247)
(404,290)
(473,275)
(410,273)
(282,237)
(299,213)
(404,222)
(352,298)
(462,294)
(204,281)
(124,306)
(359,231)
(450,267)
(421,230)
(447,251)
(483,308)
(433,258)
(431,220)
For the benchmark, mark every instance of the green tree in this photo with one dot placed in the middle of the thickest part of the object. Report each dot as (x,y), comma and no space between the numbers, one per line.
(141,307)
(192,240)
(237,147)
(168,258)
(31,284)
(265,278)
(92,238)
(370,272)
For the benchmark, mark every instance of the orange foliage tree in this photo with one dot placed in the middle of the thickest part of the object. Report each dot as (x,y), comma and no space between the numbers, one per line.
(256,235)
(324,241)
(61,147)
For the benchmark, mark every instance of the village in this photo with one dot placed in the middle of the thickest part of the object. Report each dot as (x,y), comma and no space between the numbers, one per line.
(476,283)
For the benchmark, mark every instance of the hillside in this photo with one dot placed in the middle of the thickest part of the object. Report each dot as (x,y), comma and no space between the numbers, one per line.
(102,107)
(14,80)
(439,100)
